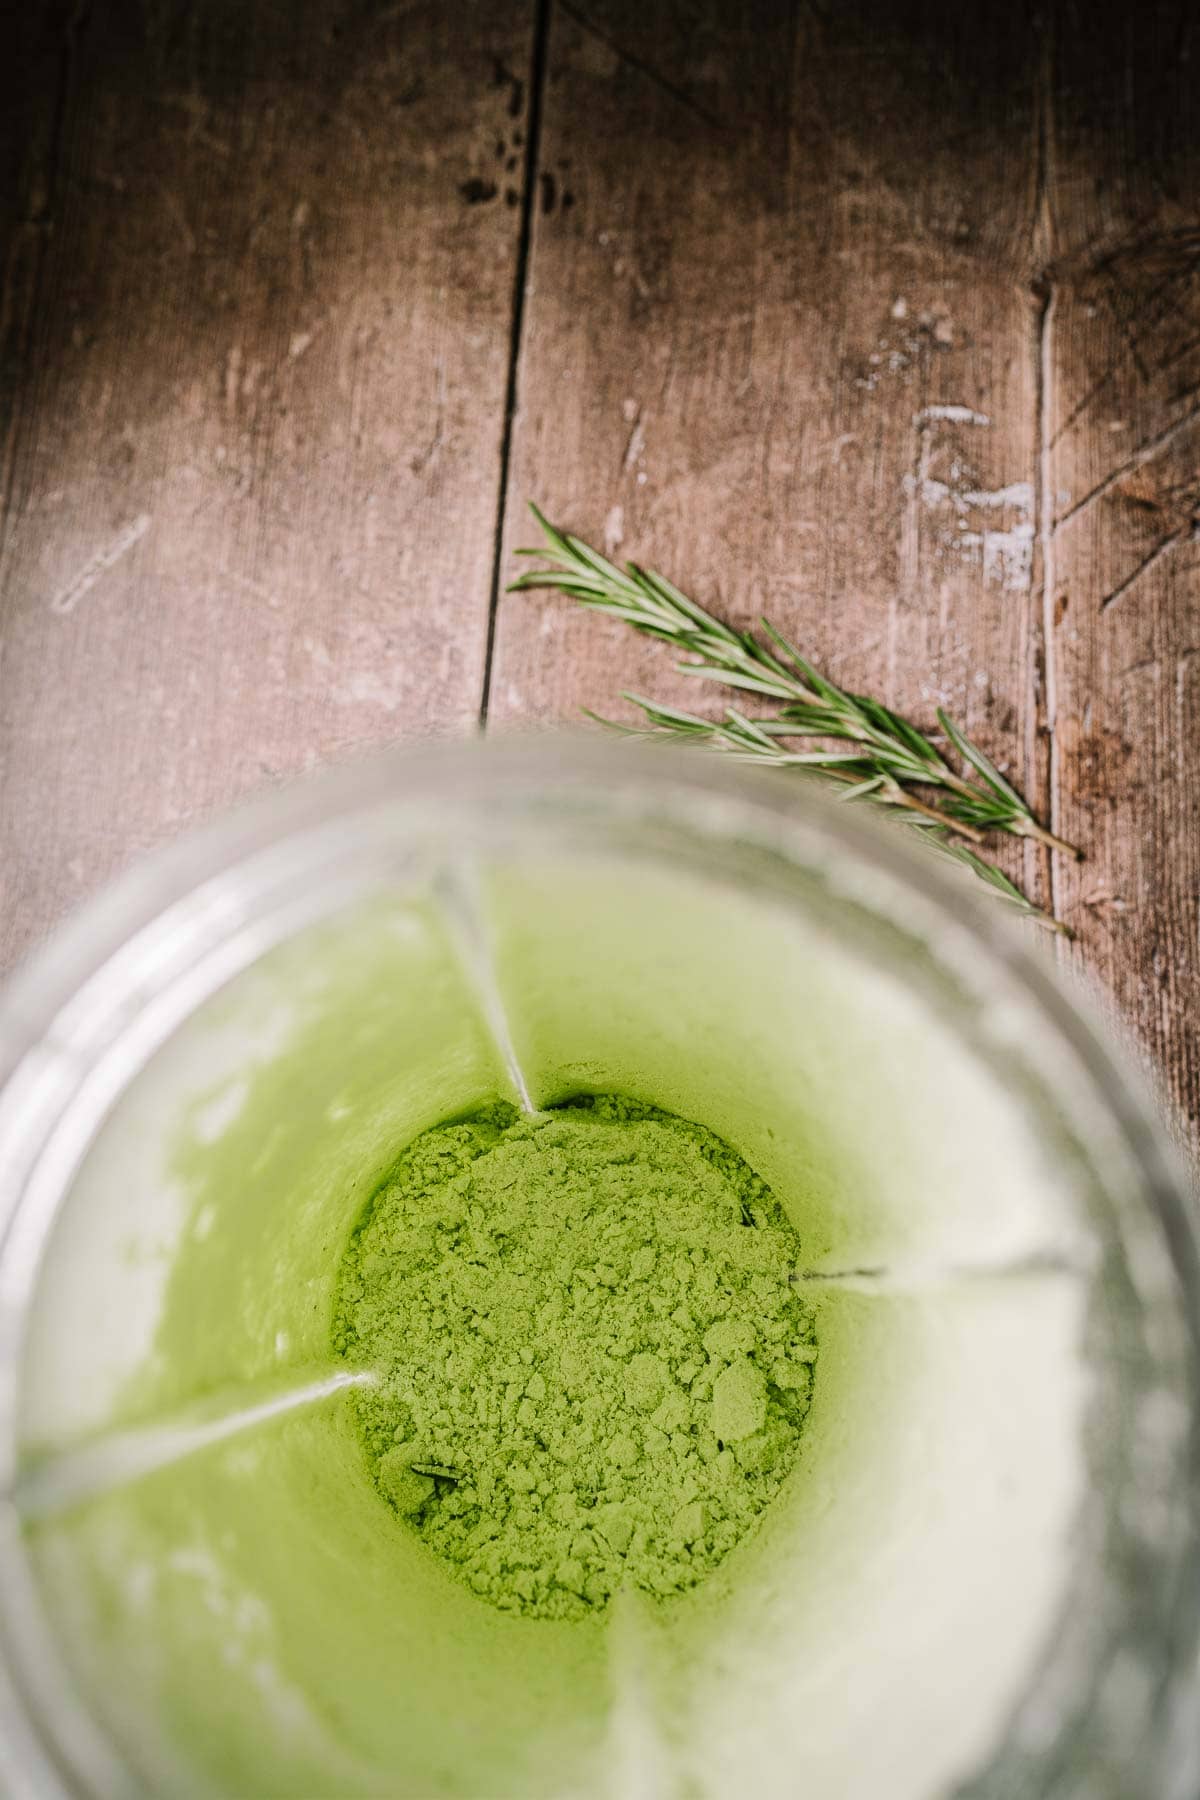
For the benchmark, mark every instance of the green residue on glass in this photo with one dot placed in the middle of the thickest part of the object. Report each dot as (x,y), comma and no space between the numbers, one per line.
(382,1039)
(593,1369)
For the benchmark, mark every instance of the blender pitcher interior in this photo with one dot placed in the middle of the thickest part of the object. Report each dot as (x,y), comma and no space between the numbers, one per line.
(232,1602)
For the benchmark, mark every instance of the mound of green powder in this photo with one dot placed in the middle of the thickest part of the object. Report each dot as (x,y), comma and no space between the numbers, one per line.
(593,1369)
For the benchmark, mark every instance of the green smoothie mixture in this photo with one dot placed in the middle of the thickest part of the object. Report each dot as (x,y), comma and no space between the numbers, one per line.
(594,1362)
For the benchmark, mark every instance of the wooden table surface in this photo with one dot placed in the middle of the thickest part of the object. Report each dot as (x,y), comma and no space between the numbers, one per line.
(883,317)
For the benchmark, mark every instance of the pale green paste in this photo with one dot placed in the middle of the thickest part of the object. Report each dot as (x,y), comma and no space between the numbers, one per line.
(594,1362)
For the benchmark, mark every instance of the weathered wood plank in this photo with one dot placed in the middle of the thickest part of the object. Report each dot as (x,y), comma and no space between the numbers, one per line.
(804,264)
(783,345)
(1123,474)
(258,321)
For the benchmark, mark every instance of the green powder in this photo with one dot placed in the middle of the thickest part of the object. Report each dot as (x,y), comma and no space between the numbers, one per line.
(593,1368)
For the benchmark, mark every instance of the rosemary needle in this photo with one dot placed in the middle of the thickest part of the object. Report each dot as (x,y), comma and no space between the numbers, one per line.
(888,761)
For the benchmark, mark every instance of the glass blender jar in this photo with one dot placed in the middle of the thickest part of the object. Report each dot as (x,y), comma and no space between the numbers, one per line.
(981,1578)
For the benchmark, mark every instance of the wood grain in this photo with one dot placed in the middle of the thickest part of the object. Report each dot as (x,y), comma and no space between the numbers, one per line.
(1122,353)
(258,302)
(782,346)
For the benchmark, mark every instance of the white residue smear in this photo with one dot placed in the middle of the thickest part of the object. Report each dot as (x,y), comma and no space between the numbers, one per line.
(951,415)
(126,1455)
(637,1759)
(456,888)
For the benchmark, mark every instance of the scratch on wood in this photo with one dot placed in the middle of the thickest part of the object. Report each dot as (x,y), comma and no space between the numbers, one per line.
(299,342)
(1140,667)
(652,75)
(1146,564)
(953,415)
(68,598)
(424,458)
(1143,454)
(1152,315)
(635,445)
(1016,493)
(1184,350)
(1081,405)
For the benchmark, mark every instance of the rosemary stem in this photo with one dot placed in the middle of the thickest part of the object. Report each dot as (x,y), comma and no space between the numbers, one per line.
(899,796)
(1031,829)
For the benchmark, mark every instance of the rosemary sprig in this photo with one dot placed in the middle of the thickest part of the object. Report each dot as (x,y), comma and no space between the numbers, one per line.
(890,763)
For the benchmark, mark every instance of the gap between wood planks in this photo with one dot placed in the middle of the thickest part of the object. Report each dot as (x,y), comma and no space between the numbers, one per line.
(533,135)
(1039,648)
